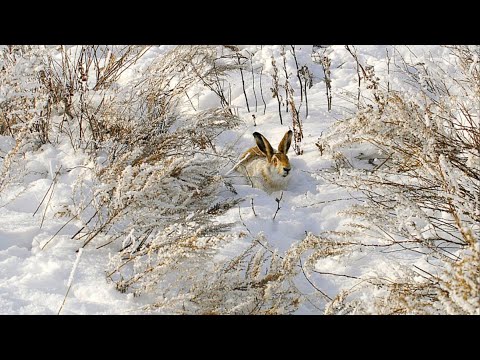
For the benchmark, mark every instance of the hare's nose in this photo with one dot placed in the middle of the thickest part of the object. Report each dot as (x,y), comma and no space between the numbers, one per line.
(286,170)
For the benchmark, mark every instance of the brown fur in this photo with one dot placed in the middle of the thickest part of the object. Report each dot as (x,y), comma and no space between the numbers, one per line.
(275,166)
(253,152)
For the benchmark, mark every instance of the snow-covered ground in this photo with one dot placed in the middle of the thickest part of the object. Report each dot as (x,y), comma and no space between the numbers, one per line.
(34,280)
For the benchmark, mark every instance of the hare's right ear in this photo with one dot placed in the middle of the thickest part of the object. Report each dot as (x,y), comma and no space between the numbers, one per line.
(286,142)
(263,145)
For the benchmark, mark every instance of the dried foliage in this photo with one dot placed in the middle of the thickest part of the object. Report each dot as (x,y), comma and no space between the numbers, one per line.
(256,282)
(150,186)
(421,193)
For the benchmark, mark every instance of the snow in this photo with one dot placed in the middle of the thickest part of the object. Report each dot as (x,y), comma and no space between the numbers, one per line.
(36,264)
(32,280)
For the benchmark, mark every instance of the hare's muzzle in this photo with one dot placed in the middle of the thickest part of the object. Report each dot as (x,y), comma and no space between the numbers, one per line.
(286,171)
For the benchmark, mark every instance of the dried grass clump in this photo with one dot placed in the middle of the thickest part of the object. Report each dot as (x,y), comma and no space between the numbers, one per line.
(422,197)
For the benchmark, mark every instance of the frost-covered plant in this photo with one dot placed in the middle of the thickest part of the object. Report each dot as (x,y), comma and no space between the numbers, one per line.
(47,92)
(256,282)
(166,199)
(321,55)
(150,186)
(22,99)
(275,89)
(421,191)
(157,198)
(23,106)
(58,89)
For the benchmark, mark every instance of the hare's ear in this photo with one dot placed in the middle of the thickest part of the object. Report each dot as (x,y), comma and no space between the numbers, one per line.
(286,142)
(263,145)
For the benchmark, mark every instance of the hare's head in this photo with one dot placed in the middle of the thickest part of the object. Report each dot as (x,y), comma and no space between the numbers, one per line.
(277,159)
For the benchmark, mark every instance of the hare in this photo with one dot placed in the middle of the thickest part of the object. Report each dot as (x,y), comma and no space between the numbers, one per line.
(266,168)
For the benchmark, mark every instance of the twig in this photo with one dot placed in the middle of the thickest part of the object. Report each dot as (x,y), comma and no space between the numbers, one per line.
(243,81)
(306,72)
(292,51)
(275,89)
(328,273)
(261,92)
(296,122)
(243,223)
(70,279)
(108,242)
(253,81)
(328,201)
(326,62)
(53,181)
(278,205)
(287,82)
(248,176)
(191,103)
(379,166)
(388,70)
(73,217)
(311,283)
(359,67)
(83,227)
(101,228)
(251,201)
(58,231)
(46,206)
(426,272)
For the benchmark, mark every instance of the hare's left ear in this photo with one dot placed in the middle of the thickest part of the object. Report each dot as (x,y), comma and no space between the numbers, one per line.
(286,142)
(263,145)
